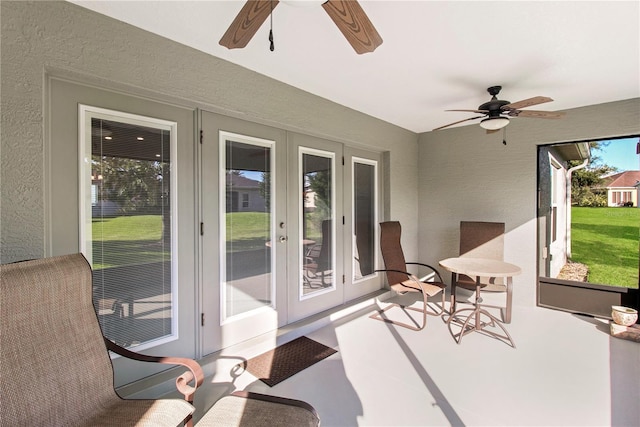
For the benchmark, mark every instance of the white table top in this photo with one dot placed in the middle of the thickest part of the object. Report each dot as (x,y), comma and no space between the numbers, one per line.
(481,267)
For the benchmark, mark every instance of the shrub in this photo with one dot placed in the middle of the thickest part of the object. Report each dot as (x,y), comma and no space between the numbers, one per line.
(587,198)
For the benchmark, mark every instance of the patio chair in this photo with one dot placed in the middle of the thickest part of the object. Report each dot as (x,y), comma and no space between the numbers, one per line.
(482,240)
(401,281)
(56,368)
(318,260)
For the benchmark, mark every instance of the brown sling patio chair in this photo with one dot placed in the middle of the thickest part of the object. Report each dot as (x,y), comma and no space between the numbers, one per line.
(56,369)
(482,240)
(317,263)
(401,281)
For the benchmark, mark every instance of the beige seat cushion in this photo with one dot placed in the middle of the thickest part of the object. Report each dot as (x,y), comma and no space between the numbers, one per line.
(235,411)
(430,289)
(143,413)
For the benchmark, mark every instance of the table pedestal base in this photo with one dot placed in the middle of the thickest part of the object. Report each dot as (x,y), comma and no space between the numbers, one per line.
(474,323)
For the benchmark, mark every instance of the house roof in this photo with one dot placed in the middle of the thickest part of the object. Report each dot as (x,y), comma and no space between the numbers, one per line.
(623,179)
(240,181)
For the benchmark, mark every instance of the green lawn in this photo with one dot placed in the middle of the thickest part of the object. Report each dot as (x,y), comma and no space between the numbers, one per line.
(606,240)
(128,240)
(247,231)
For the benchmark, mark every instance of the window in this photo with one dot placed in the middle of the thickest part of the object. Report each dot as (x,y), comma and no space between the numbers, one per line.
(317,212)
(621,197)
(364,218)
(247,263)
(127,223)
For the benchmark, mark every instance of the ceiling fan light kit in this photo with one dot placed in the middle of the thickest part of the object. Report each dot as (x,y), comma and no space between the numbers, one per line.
(496,112)
(494,123)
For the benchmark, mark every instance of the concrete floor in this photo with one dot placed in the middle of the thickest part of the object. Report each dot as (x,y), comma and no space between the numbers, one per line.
(566,370)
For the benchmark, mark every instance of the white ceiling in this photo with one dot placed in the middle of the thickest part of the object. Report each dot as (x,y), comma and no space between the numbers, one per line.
(436,55)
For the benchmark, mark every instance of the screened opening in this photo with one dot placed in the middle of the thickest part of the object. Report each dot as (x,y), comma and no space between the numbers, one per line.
(589,236)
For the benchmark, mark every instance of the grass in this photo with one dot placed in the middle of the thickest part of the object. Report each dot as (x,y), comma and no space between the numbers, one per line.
(606,240)
(247,231)
(128,240)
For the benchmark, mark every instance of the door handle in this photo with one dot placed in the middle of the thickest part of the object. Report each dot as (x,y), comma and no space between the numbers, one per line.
(283,239)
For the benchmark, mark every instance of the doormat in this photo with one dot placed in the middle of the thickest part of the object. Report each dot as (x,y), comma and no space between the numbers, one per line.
(286,360)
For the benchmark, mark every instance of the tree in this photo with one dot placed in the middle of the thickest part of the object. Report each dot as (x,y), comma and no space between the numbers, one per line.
(265,189)
(320,185)
(585,181)
(135,185)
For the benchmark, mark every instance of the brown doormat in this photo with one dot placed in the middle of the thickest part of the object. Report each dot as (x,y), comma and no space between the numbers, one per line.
(286,360)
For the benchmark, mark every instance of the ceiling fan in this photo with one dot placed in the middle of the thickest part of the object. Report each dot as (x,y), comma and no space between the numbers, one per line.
(348,16)
(496,112)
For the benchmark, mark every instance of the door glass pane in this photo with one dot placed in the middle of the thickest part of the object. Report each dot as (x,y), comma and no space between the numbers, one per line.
(317,225)
(364,217)
(247,252)
(128,232)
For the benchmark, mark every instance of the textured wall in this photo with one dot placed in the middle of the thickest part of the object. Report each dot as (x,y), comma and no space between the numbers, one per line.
(41,39)
(473,176)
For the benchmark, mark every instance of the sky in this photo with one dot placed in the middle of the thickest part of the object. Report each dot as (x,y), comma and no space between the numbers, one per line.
(620,153)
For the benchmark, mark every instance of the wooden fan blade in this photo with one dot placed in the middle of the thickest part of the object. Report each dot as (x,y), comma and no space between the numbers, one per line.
(247,22)
(537,114)
(354,24)
(471,111)
(459,121)
(527,103)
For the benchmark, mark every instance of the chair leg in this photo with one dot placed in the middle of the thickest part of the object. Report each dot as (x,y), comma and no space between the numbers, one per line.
(416,327)
(442,304)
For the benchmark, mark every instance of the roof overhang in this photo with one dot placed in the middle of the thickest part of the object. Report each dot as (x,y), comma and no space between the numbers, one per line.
(574,151)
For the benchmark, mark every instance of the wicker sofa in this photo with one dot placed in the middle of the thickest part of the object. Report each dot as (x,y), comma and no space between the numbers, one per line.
(56,370)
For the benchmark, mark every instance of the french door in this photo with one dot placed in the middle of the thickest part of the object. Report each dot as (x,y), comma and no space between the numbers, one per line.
(199,242)
(277,244)
(243,230)
(316,228)
(363,201)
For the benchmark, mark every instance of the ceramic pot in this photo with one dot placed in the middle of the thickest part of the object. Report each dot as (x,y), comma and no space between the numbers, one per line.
(624,315)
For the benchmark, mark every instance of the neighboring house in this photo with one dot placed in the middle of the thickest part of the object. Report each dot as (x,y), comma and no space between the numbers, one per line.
(245,194)
(622,188)
(555,199)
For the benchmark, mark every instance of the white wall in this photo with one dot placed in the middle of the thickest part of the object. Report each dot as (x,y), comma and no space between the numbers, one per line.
(466,174)
(41,39)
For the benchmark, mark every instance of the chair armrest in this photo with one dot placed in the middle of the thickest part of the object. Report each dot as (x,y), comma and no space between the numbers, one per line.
(428,266)
(194,374)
